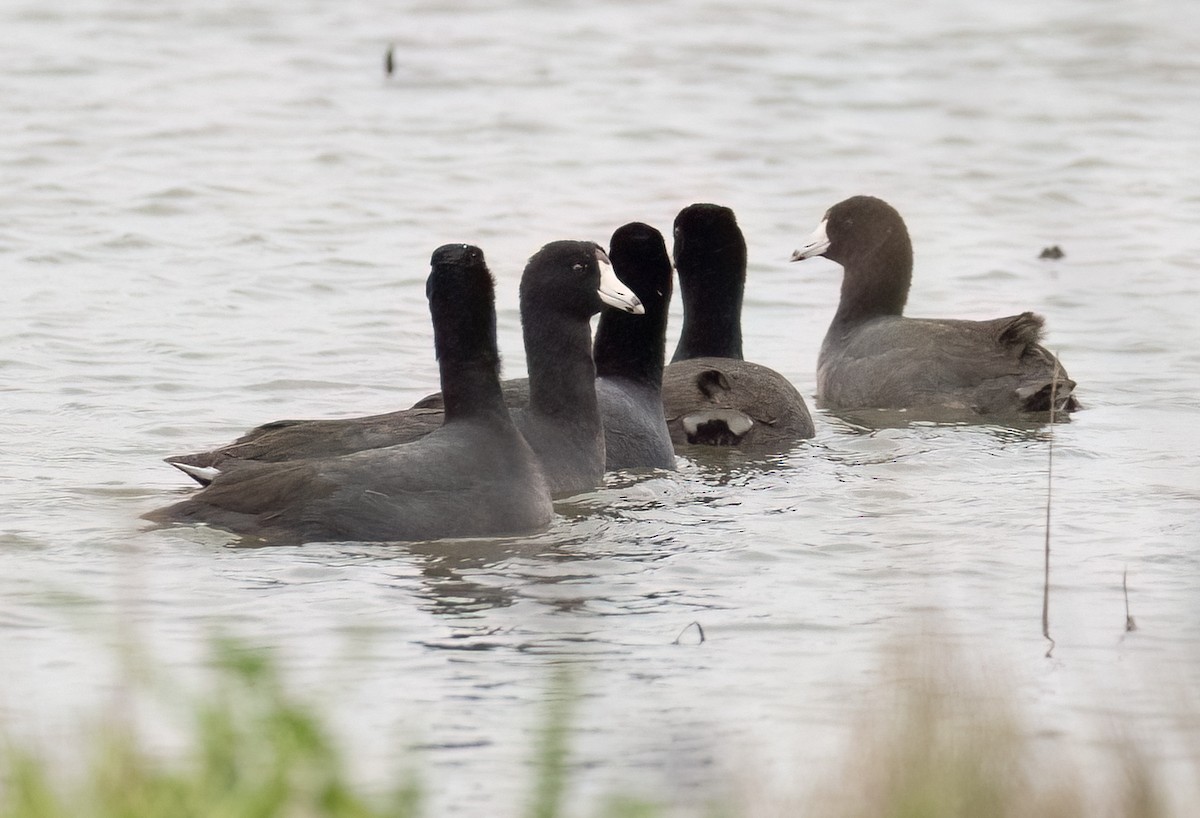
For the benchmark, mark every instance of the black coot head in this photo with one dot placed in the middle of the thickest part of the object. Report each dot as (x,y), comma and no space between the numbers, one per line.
(708,243)
(853,229)
(639,256)
(462,302)
(574,278)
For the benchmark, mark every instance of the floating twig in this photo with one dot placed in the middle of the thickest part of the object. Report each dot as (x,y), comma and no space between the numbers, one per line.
(1130,625)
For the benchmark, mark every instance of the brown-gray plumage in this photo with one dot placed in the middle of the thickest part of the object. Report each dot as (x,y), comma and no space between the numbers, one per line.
(875,357)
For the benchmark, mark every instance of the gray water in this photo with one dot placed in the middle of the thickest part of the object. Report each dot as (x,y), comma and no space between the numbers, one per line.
(218,214)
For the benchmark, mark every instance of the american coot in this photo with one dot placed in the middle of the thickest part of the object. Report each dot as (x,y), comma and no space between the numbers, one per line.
(628,351)
(710,394)
(564,284)
(562,422)
(874,357)
(473,476)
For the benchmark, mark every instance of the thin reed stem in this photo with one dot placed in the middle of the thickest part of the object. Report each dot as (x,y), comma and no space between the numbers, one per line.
(1130,625)
(1049,495)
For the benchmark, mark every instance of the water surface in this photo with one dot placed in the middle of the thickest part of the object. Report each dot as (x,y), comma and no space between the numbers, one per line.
(222,214)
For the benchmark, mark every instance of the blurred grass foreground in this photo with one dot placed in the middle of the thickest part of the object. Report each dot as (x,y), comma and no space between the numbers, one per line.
(251,751)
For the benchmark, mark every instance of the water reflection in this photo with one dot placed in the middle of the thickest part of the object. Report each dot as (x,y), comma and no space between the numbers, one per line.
(733,466)
(867,421)
(462,578)
(262,295)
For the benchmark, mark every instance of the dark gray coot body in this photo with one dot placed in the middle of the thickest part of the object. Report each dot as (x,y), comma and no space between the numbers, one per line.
(473,476)
(566,283)
(563,286)
(629,352)
(875,357)
(711,395)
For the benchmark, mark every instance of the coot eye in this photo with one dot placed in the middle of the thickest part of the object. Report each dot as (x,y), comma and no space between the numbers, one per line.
(577,268)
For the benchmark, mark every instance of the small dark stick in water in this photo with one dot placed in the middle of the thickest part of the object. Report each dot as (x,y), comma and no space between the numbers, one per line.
(1130,625)
(389,63)
(699,630)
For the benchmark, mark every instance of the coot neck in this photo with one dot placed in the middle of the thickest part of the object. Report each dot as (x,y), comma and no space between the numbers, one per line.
(471,389)
(712,321)
(562,375)
(876,284)
(632,346)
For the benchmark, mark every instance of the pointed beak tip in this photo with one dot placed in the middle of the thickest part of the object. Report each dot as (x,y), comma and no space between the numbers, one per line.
(809,251)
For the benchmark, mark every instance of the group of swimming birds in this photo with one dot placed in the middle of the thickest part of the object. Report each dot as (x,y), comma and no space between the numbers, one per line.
(486,457)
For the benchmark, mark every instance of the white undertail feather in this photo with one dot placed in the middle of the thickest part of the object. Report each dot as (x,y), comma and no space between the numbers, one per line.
(201,474)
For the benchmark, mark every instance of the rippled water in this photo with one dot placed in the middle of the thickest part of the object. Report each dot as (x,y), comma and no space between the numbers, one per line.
(217,214)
